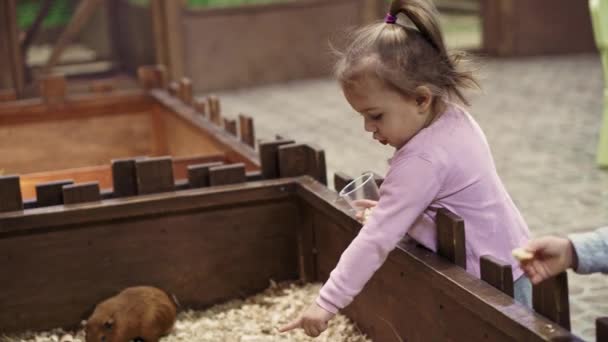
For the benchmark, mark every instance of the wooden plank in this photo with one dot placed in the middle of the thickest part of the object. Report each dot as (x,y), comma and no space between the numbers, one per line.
(341,179)
(174,34)
(230,126)
(154,175)
(159,28)
(550,299)
(200,107)
(198,174)
(185,90)
(215,114)
(307,251)
(317,160)
(81,16)
(51,193)
(53,89)
(601,329)
(10,194)
(227,174)
(298,159)
(17,62)
(269,157)
(124,179)
(79,193)
(451,237)
(173,88)
(247,131)
(497,273)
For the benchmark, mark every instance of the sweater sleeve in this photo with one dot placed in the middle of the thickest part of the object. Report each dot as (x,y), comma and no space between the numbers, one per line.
(408,189)
(592,251)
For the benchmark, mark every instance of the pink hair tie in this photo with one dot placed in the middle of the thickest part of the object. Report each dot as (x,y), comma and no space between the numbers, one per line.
(390,19)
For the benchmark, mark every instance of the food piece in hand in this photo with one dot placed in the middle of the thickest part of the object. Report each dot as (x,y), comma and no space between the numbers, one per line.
(522,255)
(367,212)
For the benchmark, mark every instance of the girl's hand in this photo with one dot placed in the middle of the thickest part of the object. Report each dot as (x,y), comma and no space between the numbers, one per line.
(551,256)
(313,321)
(365,209)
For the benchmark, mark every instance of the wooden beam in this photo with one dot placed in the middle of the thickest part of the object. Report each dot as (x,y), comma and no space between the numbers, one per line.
(10,194)
(451,237)
(198,175)
(81,16)
(154,175)
(341,179)
(227,174)
(550,299)
(247,131)
(497,273)
(79,193)
(269,157)
(51,193)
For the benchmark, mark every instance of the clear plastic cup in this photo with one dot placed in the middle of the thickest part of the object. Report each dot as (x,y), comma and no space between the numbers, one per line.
(360,192)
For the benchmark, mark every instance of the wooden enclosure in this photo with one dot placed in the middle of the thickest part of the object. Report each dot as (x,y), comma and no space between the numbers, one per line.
(62,136)
(239,46)
(210,245)
(539,27)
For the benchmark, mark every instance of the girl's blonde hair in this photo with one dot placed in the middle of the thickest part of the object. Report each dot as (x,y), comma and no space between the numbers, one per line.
(406,57)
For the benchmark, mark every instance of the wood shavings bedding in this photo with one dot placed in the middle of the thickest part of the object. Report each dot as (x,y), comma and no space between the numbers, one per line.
(254,319)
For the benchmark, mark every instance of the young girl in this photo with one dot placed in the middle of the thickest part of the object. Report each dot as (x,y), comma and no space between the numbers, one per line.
(400,78)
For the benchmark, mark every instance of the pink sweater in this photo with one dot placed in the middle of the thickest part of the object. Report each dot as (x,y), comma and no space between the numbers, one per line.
(446,165)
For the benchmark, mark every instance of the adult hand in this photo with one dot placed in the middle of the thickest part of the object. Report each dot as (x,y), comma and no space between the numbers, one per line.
(551,256)
(313,321)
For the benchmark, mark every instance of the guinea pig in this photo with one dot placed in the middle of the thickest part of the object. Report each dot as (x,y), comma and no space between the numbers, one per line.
(140,312)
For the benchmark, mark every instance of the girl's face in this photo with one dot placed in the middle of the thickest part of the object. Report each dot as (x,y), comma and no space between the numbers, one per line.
(391,117)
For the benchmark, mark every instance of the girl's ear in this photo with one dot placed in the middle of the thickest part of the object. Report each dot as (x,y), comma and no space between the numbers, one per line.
(424,99)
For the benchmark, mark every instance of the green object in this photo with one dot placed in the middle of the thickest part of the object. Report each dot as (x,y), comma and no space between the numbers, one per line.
(59,14)
(599,18)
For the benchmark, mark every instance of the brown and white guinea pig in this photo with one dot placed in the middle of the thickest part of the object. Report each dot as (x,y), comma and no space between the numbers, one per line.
(140,312)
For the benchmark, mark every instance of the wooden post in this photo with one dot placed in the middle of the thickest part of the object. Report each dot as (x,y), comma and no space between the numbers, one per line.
(123,177)
(10,194)
(269,157)
(200,107)
(154,175)
(53,89)
(297,159)
(185,91)
(247,130)
(601,329)
(148,77)
(198,175)
(173,88)
(51,193)
(451,237)
(81,16)
(497,273)
(174,34)
(230,126)
(550,299)
(341,180)
(214,109)
(227,174)
(79,193)
(159,28)
(12,58)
